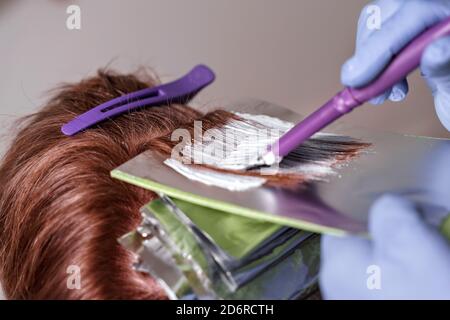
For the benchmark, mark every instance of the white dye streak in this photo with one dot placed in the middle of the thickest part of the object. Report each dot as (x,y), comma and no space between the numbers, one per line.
(229,181)
(237,145)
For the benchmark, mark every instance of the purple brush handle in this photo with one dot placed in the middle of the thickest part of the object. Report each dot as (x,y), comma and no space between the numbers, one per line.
(178,91)
(406,61)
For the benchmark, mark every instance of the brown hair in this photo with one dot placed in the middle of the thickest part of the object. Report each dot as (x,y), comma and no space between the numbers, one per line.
(59,205)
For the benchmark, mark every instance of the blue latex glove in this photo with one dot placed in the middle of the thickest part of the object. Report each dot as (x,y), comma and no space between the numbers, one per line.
(405,258)
(401,21)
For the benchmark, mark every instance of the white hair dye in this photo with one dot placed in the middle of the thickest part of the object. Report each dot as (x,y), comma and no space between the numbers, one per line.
(236,145)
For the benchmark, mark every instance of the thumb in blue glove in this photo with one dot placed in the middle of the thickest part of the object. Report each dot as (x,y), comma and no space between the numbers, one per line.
(401,21)
(436,71)
(405,258)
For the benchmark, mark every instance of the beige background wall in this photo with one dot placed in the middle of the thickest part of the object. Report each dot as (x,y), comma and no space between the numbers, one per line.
(284,51)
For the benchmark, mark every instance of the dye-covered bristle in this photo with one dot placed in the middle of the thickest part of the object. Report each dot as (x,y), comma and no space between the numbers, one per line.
(234,148)
(238,143)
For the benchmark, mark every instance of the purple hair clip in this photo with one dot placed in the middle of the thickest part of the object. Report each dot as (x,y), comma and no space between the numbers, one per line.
(178,91)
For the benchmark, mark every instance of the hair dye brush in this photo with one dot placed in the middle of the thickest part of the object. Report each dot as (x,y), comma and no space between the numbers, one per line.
(407,60)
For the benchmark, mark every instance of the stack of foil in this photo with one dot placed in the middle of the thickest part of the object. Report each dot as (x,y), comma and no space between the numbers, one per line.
(224,256)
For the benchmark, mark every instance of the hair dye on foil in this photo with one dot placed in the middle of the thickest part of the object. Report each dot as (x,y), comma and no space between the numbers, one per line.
(221,157)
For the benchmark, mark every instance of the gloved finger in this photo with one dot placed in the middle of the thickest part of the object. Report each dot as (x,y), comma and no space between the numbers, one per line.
(442,102)
(378,49)
(344,263)
(397,229)
(399,91)
(372,16)
(436,71)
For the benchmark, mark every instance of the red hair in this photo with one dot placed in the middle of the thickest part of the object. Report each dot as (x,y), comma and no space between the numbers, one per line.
(59,207)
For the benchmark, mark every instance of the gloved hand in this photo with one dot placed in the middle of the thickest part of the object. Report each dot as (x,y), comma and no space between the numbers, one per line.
(401,21)
(405,258)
